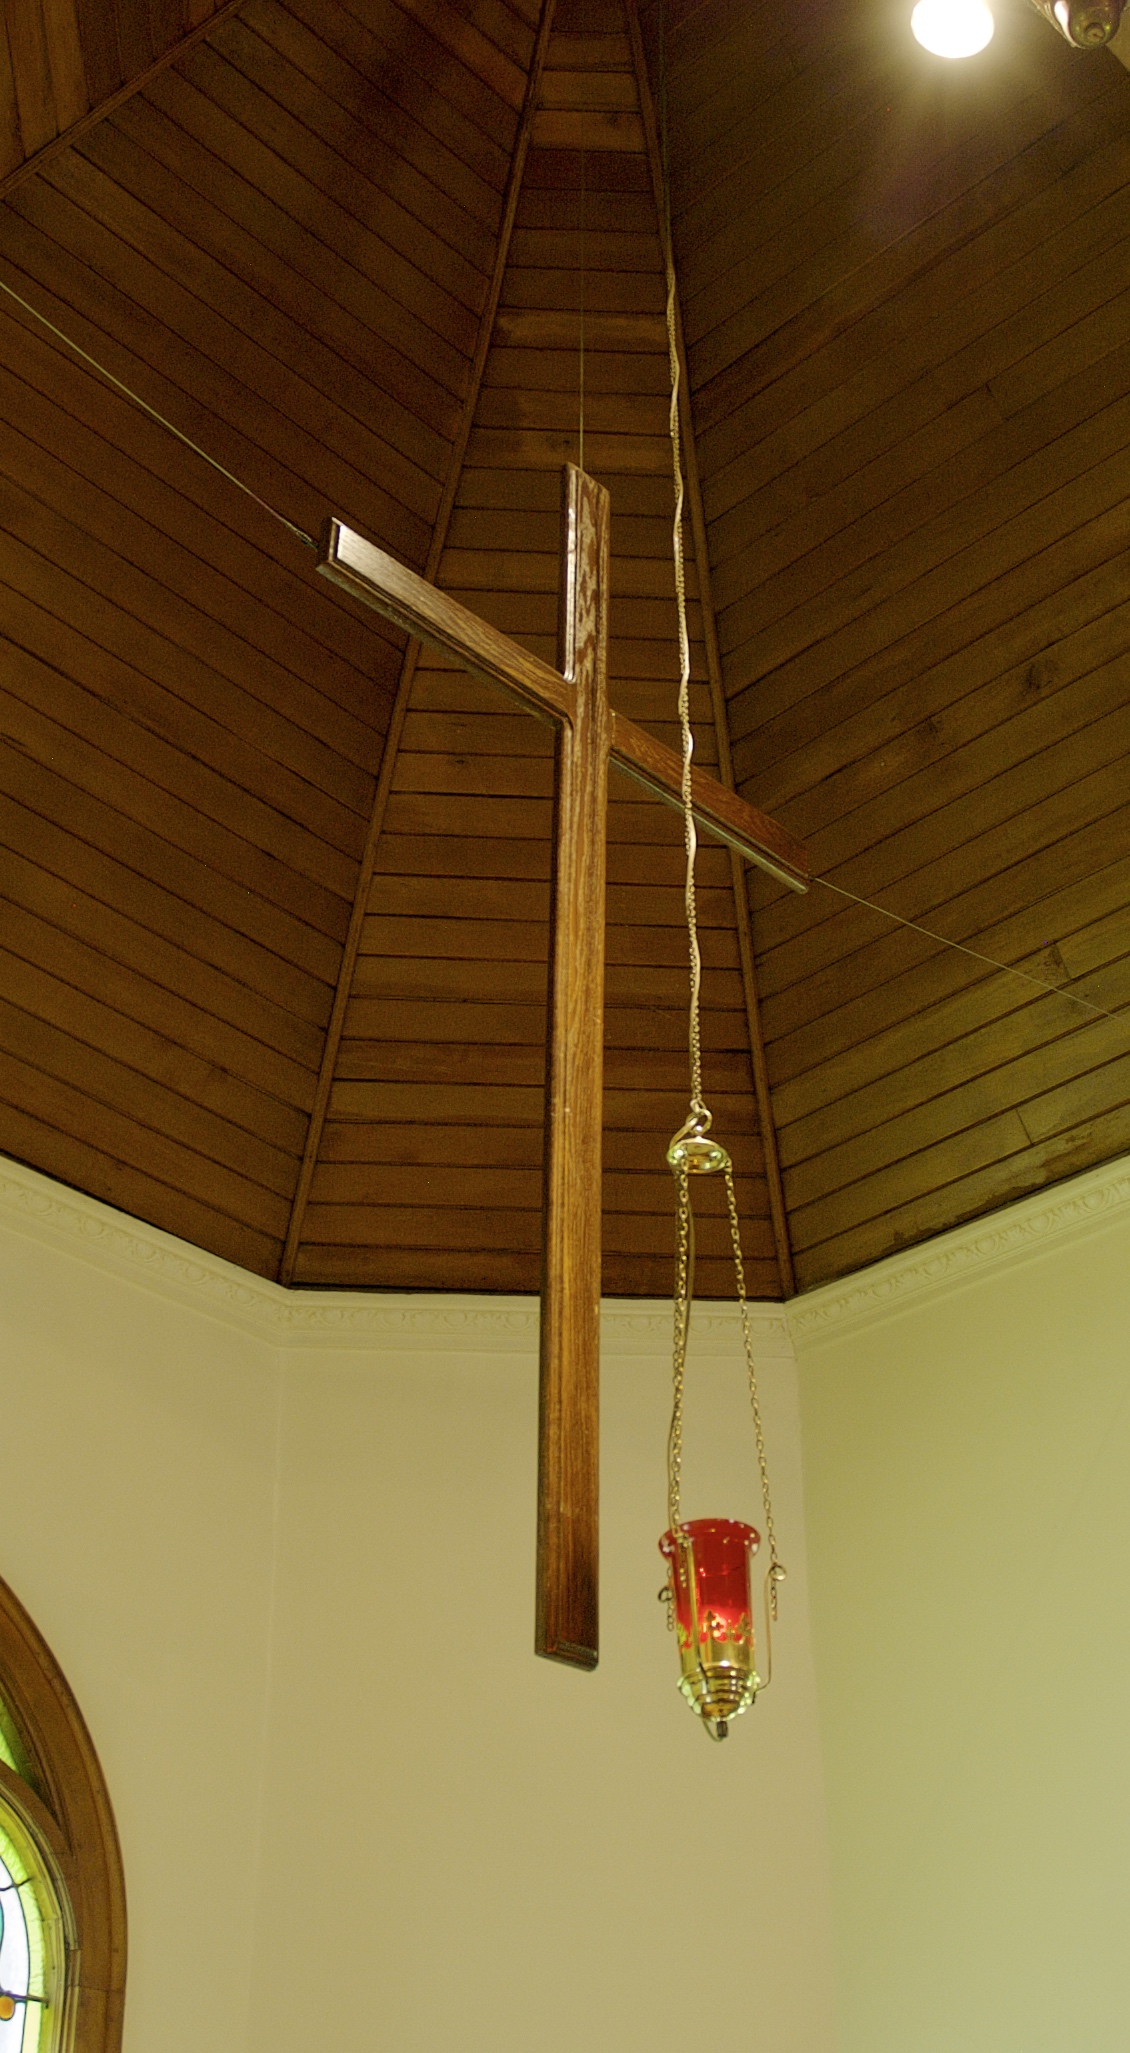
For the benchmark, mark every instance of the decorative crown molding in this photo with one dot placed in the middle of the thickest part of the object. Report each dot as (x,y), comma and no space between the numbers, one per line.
(54,1215)
(1086,1205)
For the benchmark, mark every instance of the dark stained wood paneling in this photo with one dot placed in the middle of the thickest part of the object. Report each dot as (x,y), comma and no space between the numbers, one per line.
(66,63)
(906,295)
(431,1162)
(192,725)
(913,403)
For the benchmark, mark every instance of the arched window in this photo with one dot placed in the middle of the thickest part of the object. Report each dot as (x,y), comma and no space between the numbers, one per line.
(62,1901)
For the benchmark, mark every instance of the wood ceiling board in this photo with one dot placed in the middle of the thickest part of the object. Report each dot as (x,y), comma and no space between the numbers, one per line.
(1008,738)
(91,1165)
(308,800)
(237,324)
(841,343)
(63,407)
(910,572)
(953,1003)
(390,129)
(974,320)
(873,1032)
(1061,635)
(273,165)
(186,724)
(290,467)
(64,68)
(478,821)
(1038,1066)
(788,275)
(88,930)
(1009,515)
(332,1046)
(903,427)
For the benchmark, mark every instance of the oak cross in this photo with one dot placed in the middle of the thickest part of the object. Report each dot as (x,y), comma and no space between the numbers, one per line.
(574,697)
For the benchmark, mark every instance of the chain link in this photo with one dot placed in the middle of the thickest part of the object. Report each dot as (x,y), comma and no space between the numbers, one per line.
(776,1572)
(684,1287)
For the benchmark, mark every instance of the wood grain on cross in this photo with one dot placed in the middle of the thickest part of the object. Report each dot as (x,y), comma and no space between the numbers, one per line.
(574,697)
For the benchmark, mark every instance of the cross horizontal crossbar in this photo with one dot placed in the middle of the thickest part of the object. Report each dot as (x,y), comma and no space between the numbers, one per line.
(432,616)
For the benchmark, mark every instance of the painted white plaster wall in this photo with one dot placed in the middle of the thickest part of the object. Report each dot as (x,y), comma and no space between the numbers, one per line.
(966,1419)
(283,1547)
(135,1526)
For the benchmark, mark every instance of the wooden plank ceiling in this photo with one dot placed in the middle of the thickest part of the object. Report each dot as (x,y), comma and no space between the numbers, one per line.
(273,888)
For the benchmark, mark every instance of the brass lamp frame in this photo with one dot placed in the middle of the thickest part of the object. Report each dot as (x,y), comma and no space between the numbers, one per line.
(717,1689)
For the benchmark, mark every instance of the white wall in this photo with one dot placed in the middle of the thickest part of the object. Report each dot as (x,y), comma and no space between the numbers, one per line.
(967,1468)
(283,1547)
(135,1526)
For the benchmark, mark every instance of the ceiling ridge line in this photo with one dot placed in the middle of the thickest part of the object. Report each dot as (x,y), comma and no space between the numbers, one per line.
(391,750)
(75,131)
(719,707)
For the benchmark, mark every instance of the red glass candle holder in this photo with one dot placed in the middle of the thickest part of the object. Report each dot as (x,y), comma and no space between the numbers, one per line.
(708,1570)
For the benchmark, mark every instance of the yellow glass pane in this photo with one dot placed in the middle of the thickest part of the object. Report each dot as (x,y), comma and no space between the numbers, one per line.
(29,1941)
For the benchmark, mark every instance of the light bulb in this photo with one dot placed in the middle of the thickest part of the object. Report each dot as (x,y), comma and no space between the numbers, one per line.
(952,28)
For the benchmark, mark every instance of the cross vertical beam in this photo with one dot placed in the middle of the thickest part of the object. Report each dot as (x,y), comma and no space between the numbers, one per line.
(568,1431)
(574,699)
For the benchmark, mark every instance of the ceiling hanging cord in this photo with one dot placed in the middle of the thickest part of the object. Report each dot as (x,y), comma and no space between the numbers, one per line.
(143,405)
(581,354)
(691,1151)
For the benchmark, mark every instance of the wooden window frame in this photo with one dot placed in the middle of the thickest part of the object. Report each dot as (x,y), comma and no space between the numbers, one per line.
(66,1808)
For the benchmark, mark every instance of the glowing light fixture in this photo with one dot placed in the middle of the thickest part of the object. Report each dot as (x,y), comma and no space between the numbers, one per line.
(953,28)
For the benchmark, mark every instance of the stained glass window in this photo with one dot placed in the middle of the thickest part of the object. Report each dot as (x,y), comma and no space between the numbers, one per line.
(61,1894)
(31,1928)
(23,1961)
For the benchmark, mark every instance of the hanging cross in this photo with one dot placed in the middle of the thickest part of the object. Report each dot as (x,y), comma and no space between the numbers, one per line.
(574,697)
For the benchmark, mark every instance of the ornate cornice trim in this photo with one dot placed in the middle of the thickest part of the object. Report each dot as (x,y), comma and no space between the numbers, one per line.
(49,1212)
(1086,1205)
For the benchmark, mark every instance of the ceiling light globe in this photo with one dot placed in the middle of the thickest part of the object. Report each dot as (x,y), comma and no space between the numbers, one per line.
(952,28)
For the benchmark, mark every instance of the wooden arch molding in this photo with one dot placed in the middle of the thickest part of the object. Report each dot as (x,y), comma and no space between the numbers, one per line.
(65,1804)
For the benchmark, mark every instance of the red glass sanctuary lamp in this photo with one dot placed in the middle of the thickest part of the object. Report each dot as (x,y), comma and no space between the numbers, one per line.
(708,1559)
(708,1563)
(708,1591)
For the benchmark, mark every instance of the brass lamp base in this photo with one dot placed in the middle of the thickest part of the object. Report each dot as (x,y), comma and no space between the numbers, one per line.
(718,1693)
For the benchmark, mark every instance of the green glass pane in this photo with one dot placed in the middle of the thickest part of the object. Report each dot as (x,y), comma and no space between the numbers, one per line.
(12,1752)
(23,1949)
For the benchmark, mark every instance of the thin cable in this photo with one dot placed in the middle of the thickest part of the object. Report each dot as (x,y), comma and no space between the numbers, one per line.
(1056,990)
(581,362)
(690,835)
(136,400)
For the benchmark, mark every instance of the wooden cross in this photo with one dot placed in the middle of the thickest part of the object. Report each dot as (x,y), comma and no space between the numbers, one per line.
(574,697)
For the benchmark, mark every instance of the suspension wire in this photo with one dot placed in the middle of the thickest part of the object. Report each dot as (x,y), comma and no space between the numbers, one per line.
(135,399)
(943,940)
(700,1119)
(581,361)
(690,835)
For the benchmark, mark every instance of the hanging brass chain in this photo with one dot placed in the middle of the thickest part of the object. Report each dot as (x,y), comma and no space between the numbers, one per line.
(776,1573)
(684,1292)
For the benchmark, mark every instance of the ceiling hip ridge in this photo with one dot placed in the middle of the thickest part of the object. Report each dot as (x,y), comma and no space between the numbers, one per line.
(1075,1210)
(57,1216)
(289,1257)
(719,705)
(75,130)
